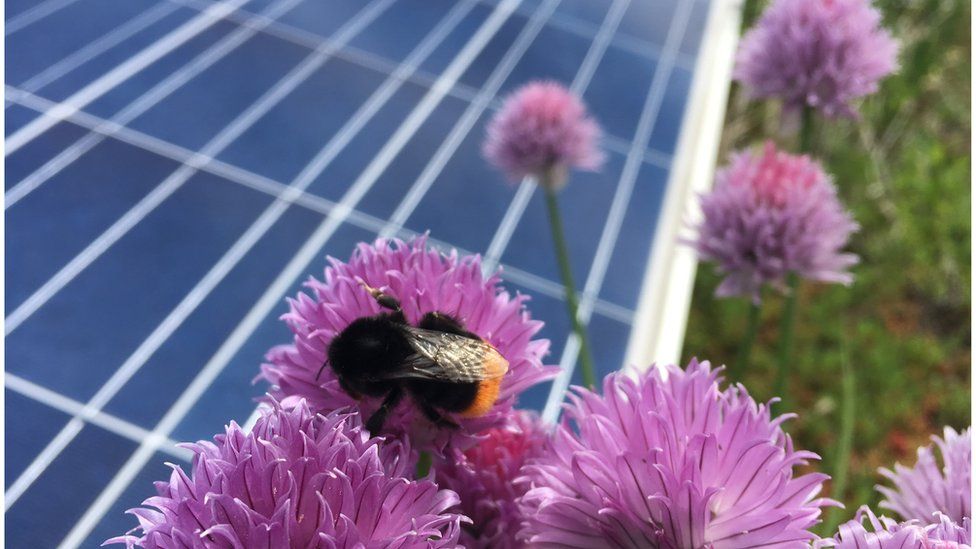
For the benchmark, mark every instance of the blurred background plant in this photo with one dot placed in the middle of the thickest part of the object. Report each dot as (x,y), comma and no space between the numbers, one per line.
(904,325)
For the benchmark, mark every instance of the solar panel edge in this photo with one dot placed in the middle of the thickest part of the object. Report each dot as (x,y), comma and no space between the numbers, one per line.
(665,297)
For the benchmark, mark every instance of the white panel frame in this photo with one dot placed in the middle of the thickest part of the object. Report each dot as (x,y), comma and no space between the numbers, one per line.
(665,298)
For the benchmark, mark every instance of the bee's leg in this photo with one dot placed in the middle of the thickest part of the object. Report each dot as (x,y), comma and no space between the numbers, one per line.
(375,422)
(436,417)
(349,390)
(444,323)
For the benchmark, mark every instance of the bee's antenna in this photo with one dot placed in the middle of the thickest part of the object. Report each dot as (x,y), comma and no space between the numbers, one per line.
(382,298)
(375,292)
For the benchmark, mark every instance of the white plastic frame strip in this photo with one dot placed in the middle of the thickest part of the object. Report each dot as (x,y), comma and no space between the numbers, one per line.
(662,309)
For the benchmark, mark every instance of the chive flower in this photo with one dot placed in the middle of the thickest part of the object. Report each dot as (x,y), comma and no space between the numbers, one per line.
(926,490)
(772,213)
(297,480)
(885,533)
(818,53)
(543,130)
(669,459)
(486,478)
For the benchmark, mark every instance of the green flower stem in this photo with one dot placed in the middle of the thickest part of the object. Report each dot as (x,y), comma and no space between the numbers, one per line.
(750,12)
(786,333)
(423,464)
(848,414)
(745,349)
(806,130)
(788,322)
(572,304)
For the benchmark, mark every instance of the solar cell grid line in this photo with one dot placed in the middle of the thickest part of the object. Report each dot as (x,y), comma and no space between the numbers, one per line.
(378,63)
(119,74)
(124,31)
(182,174)
(625,41)
(533,282)
(559,20)
(367,59)
(143,103)
(34,14)
(107,128)
(295,267)
(239,249)
(611,230)
(156,197)
(503,234)
(104,420)
(312,202)
(460,90)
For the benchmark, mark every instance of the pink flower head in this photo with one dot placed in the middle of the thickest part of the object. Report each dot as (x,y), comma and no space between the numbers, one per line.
(818,53)
(485,476)
(297,480)
(423,280)
(542,130)
(885,533)
(925,491)
(772,213)
(670,460)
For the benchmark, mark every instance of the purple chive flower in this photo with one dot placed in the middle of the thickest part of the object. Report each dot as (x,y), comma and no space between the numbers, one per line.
(423,280)
(818,53)
(297,480)
(669,460)
(484,477)
(885,533)
(543,130)
(772,213)
(924,490)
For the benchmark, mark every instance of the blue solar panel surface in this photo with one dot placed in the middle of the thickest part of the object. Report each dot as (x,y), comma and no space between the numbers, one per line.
(174,169)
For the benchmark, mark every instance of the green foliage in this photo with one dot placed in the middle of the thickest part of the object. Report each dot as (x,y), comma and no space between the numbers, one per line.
(904,171)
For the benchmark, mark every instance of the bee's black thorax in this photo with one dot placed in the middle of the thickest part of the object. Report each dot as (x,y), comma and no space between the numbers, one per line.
(367,348)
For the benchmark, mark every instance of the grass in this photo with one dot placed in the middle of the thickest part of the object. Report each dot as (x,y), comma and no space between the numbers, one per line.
(903,328)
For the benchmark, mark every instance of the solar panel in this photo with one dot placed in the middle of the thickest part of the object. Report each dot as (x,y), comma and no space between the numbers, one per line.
(176,168)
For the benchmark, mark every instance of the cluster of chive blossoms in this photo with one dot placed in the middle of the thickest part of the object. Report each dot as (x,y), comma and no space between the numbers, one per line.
(818,53)
(423,280)
(924,492)
(770,214)
(885,533)
(543,130)
(486,477)
(299,479)
(935,505)
(670,460)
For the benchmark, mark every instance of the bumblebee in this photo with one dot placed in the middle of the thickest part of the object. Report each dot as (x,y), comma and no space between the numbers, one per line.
(443,367)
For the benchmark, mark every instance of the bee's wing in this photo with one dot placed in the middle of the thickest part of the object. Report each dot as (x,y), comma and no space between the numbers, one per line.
(444,356)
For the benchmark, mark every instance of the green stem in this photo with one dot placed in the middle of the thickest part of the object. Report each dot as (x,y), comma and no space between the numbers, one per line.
(752,328)
(806,130)
(786,332)
(572,304)
(788,321)
(848,414)
(750,12)
(423,464)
